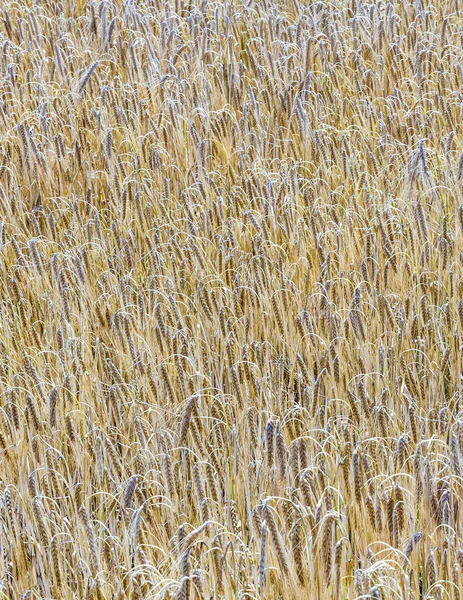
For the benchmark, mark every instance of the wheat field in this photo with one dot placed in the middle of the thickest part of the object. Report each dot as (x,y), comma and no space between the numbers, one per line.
(231,309)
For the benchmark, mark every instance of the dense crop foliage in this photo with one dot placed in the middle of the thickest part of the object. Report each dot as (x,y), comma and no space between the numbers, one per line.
(231,309)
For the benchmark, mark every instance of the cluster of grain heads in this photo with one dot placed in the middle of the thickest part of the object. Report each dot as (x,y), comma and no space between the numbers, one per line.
(231,306)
